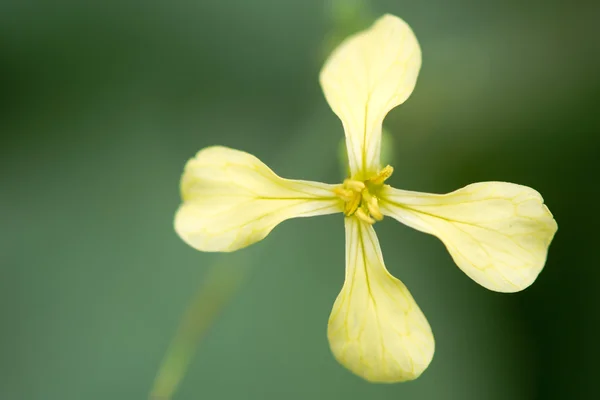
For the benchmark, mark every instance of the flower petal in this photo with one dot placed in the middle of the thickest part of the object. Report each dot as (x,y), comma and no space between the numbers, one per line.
(376,329)
(498,233)
(370,73)
(232,200)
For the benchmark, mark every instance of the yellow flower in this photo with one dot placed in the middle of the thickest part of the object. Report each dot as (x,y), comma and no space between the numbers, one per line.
(498,233)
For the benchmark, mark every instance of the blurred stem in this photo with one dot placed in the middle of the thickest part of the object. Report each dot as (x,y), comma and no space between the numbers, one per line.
(217,289)
(225,276)
(346,17)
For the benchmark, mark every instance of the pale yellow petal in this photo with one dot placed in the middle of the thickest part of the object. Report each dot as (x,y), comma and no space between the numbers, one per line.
(370,73)
(231,200)
(376,329)
(498,233)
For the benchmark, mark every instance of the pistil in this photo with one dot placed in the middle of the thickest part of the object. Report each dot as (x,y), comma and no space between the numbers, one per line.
(360,197)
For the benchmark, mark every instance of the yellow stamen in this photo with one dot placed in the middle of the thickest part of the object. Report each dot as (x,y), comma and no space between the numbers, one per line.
(361,214)
(356,186)
(373,206)
(352,205)
(344,194)
(383,175)
(359,199)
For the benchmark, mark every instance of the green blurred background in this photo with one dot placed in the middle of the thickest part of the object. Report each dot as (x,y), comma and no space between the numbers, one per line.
(102,104)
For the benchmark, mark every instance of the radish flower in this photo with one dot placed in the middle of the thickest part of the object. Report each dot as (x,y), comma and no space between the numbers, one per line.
(498,233)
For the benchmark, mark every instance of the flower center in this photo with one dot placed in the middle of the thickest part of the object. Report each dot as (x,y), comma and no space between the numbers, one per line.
(361,197)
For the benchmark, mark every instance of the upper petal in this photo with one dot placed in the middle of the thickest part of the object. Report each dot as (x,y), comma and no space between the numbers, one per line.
(376,329)
(231,200)
(370,73)
(498,233)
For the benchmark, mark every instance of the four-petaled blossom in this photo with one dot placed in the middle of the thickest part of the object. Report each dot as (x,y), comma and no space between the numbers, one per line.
(498,233)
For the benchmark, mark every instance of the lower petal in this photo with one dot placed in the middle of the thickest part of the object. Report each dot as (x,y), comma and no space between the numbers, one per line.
(498,233)
(376,329)
(232,200)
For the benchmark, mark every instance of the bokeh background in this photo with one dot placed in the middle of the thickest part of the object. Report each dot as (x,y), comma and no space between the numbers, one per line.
(102,103)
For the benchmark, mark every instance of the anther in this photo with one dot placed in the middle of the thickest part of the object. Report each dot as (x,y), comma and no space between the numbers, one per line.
(361,214)
(373,206)
(384,174)
(358,199)
(352,205)
(356,186)
(344,194)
